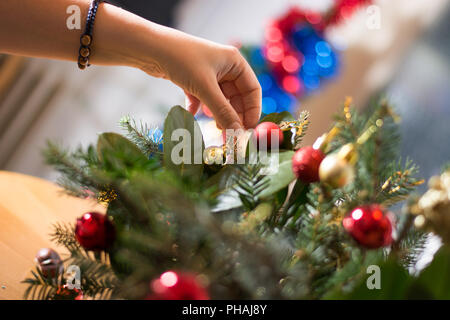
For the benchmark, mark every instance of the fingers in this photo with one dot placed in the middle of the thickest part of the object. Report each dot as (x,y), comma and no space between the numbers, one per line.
(234,96)
(224,113)
(232,92)
(241,86)
(192,103)
(251,95)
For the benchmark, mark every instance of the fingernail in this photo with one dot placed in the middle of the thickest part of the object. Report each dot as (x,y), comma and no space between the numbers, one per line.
(236,126)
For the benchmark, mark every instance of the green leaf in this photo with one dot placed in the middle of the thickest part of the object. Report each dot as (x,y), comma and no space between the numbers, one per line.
(436,277)
(110,142)
(297,197)
(283,175)
(395,284)
(222,179)
(278,117)
(179,118)
(228,198)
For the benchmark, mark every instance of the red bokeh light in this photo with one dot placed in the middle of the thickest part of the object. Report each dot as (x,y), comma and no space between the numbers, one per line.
(273,34)
(291,84)
(291,64)
(313,18)
(275,53)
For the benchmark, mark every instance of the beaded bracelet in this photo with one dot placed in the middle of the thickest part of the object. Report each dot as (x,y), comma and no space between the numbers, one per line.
(86,38)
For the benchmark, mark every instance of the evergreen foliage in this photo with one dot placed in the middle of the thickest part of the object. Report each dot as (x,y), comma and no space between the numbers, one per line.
(252,236)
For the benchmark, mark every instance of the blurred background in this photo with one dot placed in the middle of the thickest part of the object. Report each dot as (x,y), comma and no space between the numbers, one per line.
(406,58)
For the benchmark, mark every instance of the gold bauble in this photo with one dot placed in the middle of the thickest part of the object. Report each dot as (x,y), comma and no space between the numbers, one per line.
(335,171)
(434,206)
(348,153)
(213,155)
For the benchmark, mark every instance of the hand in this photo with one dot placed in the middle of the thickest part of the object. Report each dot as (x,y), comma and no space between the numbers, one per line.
(211,74)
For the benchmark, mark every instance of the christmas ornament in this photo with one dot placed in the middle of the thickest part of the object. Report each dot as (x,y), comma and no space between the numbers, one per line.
(94,231)
(370,226)
(156,135)
(64,293)
(265,132)
(49,262)
(214,155)
(433,208)
(306,162)
(337,169)
(172,285)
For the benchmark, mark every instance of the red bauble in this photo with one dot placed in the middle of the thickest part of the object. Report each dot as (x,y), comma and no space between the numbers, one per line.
(172,285)
(264,132)
(306,162)
(64,293)
(94,231)
(370,226)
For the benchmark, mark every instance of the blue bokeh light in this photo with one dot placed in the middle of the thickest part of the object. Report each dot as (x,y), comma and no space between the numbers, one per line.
(266,81)
(323,48)
(269,105)
(324,61)
(320,61)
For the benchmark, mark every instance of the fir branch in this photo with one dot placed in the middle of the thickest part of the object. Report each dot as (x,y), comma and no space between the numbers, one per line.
(302,127)
(65,235)
(250,182)
(98,280)
(412,248)
(40,287)
(140,134)
(75,168)
(399,183)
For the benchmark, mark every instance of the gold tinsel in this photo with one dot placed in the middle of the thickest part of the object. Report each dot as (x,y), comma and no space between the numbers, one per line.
(106,196)
(433,208)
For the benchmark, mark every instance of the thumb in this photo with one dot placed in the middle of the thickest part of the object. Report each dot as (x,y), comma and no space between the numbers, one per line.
(224,113)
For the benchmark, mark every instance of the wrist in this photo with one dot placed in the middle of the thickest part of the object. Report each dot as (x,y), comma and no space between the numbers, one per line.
(122,38)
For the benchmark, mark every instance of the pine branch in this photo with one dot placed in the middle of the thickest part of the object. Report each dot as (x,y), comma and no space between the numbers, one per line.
(98,280)
(65,235)
(40,287)
(75,168)
(250,182)
(302,127)
(141,135)
(399,183)
(412,247)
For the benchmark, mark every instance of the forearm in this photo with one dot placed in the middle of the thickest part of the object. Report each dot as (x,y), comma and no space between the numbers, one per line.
(213,74)
(38,28)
